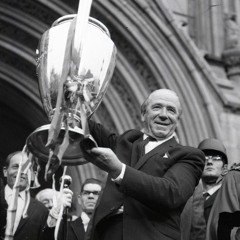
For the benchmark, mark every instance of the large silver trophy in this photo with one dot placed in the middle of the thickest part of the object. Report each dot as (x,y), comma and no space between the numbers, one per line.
(72,83)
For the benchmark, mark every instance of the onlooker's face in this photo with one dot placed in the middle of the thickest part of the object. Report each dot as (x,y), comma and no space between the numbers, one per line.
(214,166)
(11,172)
(89,197)
(47,199)
(162,114)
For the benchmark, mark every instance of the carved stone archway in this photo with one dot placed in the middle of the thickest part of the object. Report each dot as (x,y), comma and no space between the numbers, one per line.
(153,52)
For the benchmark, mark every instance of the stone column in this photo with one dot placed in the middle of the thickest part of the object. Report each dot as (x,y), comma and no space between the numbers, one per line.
(207,26)
(231,53)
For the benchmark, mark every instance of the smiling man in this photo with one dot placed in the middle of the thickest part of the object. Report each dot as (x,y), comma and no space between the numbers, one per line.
(150,175)
(34,225)
(161,113)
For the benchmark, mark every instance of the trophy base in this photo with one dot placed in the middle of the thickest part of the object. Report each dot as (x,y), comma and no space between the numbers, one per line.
(36,144)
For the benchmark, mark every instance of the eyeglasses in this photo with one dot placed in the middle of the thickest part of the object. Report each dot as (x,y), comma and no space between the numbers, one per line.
(214,158)
(95,193)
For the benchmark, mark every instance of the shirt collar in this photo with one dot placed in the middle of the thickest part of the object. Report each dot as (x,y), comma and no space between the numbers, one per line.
(9,193)
(158,141)
(213,189)
(85,220)
(84,216)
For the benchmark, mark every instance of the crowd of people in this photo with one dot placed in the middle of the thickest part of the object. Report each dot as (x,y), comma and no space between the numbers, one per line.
(157,189)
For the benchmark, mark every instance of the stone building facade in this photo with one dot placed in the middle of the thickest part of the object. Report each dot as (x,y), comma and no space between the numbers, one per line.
(190,46)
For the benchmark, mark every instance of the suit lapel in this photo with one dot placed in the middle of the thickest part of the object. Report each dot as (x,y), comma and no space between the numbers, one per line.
(134,157)
(23,221)
(160,150)
(77,227)
(209,202)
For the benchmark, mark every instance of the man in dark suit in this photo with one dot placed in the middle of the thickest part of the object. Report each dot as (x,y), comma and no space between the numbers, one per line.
(150,175)
(200,207)
(76,228)
(33,225)
(215,167)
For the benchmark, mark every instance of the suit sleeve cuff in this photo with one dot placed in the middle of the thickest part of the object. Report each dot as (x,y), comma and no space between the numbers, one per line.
(119,179)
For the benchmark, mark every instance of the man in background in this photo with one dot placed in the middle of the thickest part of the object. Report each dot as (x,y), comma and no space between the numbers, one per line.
(216,165)
(34,226)
(47,196)
(88,197)
(196,212)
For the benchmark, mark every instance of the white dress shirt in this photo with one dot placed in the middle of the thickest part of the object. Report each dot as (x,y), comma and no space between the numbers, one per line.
(153,144)
(149,147)
(20,204)
(85,220)
(213,190)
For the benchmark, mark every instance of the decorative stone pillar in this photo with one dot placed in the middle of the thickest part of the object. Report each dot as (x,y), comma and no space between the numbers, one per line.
(206,26)
(231,58)
(231,54)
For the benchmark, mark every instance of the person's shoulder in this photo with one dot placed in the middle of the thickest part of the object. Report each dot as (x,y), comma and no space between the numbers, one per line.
(189,149)
(76,221)
(233,173)
(40,206)
(132,134)
(235,167)
(188,154)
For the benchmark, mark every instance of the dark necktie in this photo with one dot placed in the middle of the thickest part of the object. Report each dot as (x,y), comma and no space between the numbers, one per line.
(205,196)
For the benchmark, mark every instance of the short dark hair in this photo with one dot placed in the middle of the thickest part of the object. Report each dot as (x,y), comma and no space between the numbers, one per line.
(9,157)
(91,180)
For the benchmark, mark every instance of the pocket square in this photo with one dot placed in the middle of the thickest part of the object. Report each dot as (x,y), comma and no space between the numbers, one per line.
(165,155)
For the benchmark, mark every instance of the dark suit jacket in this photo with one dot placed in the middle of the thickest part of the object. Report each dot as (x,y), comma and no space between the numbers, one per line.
(225,212)
(193,224)
(34,227)
(154,189)
(75,230)
(208,205)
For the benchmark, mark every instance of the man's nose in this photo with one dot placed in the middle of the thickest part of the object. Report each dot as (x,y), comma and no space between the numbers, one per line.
(91,195)
(163,112)
(209,161)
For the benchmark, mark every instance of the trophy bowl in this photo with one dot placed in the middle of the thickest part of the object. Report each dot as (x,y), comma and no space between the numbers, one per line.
(96,66)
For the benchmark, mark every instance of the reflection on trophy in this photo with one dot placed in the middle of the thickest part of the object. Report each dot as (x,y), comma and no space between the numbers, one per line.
(75,64)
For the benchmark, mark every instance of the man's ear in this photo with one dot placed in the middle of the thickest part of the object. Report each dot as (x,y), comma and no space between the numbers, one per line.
(4,171)
(225,169)
(142,117)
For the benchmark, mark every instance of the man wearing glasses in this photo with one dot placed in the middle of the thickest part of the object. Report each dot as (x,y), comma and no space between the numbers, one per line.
(215,167)
(90,191)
